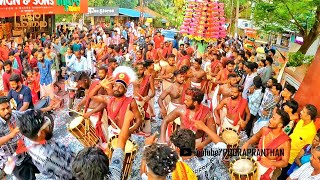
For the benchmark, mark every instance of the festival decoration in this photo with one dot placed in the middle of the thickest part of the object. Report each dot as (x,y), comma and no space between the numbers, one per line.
(204,20)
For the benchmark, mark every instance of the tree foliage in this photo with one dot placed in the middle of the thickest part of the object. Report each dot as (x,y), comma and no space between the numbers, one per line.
(301,16)
(120,3)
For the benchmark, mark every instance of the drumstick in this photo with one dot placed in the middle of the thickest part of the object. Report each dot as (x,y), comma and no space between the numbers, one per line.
(71,110)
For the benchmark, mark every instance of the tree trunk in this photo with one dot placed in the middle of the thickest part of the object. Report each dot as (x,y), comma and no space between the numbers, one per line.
(307,42)
(310,37)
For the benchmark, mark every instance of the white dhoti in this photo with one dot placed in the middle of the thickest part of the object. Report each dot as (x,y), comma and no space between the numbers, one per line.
(262,169)
(195,85)
(54,75)
(146,124)
(47,90)
(260,123)
(172,106)
(170,129)
(228,123)
(163,63)
(165,85)
(157,67)
(104,119)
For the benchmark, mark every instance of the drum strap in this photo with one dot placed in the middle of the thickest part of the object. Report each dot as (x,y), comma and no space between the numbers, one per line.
(144,84)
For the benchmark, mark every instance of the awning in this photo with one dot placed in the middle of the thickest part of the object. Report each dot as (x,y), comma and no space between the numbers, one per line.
(133,13)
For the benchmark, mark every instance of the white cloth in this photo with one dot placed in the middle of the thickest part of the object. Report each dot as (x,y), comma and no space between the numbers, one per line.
(47,90)
(248,83)
(90,61)
(54,75)
(228,123)
(259,124)
(195,85)
(262,169)
(304,173)
(172,106)
(78,66)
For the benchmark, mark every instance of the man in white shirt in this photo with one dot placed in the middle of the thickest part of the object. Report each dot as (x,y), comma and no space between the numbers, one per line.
(310,170)
(79,64)
(250,69)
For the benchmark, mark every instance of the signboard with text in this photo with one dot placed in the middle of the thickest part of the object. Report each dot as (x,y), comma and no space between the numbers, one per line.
(10,8)
(103,11)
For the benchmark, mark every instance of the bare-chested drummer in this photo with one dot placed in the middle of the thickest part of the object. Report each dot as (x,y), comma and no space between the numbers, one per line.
(167,71)
(176,92)
(237,109)
(272,138)
(117,104)
(225,90)
(198,74)
(193,110)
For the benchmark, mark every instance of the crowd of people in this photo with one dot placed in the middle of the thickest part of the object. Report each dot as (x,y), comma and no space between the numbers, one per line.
(121,69)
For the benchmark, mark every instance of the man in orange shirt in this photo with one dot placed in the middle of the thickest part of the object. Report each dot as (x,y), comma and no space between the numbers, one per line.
(4,51)
(158,39)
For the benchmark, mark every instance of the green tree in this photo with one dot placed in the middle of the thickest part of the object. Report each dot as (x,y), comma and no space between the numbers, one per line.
(302,16)
(121,3)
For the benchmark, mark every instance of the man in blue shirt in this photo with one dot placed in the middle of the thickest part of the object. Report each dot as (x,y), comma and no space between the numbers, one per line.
(44,66)
(20,93)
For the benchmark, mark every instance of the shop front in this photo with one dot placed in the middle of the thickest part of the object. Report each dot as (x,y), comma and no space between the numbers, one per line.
(21,18)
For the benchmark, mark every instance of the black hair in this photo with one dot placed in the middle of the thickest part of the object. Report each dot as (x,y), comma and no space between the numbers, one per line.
(257,82)
(15,77)
(160,159)
(81,75)
(232,75)
(104,68)
(185,68)
(110,60)
(171,56)
(177,72)
(312,111)
(285,118)
(7,62)
(12,53)
(117,49)
(184,52)
(291,104)
(184,138)
(148,63)
(269,59)
(30,122)
(90,163)
(240,88)
(34,51)
(250,66)
(4,99)
(290,88)
(198,60)
(230,62)
(197,94)
(278,86)
(264,62)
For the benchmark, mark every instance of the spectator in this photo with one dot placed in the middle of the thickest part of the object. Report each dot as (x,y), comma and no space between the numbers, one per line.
(20,93)
(6,75)
(4,51)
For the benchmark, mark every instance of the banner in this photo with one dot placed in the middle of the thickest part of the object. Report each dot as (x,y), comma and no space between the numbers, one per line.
(10,8)
(103,11)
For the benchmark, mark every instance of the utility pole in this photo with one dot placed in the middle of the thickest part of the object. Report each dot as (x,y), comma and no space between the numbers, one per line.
(141,12)
(237,18)
(231,17)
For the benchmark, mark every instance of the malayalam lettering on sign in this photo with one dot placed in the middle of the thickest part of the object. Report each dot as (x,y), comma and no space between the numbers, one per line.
(10,8)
